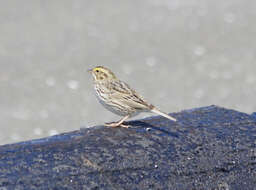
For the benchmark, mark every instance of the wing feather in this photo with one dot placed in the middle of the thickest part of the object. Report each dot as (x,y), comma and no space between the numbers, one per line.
(122,93)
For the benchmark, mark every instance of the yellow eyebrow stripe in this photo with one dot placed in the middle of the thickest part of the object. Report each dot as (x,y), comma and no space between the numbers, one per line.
(98,68)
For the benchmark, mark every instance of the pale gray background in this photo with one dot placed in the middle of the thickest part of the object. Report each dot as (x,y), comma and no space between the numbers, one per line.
(179,54)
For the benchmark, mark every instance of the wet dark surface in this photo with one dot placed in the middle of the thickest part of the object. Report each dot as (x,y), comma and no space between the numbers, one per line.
(208,148)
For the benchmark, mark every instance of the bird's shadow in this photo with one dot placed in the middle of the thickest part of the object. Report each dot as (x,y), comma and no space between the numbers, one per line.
(142,126)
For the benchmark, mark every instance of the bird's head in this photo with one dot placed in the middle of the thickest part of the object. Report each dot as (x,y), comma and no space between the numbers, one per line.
(101,74)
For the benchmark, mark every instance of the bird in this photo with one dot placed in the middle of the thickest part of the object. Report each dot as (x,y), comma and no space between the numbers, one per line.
(119,98)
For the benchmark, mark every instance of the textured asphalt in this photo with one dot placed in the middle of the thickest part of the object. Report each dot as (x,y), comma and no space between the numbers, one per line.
(208,148)
(178,54)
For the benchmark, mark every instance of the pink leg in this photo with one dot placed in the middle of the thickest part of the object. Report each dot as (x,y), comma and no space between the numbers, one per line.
(118,123)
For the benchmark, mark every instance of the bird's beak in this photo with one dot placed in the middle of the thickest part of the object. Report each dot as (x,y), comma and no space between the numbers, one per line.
(89,70)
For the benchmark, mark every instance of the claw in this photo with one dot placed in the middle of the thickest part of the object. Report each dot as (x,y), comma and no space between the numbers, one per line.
(119,123)
(116,124)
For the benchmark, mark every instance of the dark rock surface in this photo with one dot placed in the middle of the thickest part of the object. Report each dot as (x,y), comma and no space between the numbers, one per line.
(208,148)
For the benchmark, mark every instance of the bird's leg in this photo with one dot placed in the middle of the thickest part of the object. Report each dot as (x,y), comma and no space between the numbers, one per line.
(118,123)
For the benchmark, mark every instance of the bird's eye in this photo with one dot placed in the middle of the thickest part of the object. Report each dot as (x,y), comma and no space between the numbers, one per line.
(97,71)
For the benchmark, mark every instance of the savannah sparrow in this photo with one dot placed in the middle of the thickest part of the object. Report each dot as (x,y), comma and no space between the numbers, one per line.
(116,96)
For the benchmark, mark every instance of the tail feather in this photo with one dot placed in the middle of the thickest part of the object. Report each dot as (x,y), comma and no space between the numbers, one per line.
(154,110)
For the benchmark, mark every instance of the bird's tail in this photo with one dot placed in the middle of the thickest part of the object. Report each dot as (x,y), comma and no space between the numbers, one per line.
(154,110)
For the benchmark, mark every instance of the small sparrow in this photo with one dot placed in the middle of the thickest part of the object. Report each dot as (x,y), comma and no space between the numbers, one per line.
(117,97)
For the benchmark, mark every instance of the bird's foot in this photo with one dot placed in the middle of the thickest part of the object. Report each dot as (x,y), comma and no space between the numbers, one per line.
(116,124)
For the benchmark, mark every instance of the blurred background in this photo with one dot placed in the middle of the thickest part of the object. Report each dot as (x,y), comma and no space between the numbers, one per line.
(178,54)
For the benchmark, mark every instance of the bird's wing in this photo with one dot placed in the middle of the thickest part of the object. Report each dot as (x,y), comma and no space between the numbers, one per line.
(122,93)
